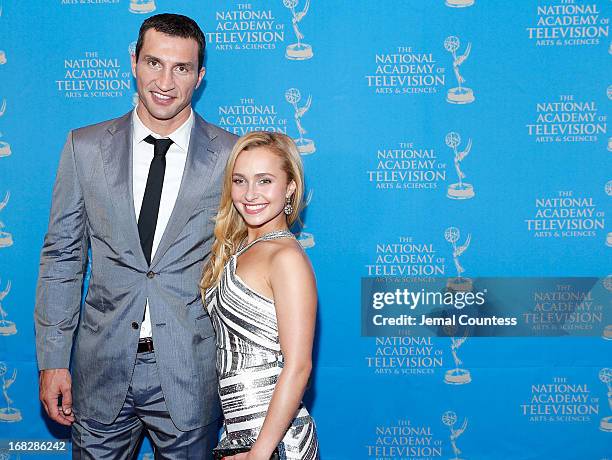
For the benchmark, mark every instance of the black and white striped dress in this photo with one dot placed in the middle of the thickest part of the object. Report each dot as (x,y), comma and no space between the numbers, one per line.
(249,361)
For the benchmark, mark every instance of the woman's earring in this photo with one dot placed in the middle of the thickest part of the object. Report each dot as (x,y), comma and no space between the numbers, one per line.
(288,207)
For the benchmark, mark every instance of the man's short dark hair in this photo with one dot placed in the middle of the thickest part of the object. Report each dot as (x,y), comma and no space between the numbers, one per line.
(175,25)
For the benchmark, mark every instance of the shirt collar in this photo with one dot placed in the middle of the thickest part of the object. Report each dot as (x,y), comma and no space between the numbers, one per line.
(180,136)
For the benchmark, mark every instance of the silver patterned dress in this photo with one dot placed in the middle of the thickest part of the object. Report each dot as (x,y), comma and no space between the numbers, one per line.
(249,361)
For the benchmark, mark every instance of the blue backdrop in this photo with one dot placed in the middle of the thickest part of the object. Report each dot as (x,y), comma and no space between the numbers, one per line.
(425,126)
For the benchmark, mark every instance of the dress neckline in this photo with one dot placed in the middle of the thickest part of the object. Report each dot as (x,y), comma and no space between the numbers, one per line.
(276,234)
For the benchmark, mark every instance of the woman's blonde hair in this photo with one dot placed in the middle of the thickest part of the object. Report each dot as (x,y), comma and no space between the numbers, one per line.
(230,229)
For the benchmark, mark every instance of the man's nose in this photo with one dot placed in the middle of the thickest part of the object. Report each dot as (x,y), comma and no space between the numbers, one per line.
(165,82)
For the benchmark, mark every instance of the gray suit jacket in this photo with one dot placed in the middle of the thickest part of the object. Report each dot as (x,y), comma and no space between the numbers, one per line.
(93,207)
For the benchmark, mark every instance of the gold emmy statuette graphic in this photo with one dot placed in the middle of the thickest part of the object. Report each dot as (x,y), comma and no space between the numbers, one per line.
(609,239)
(459,283)
(457,376)
(460,190)
(306,239)
(6,327)
(449,418)
(459,3)
(297,51)
(605,375)
(293,96)
(142,6)
(6,239)
(460,94)
(8,413)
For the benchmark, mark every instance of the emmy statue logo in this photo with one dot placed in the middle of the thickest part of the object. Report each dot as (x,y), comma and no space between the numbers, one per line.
(6,239)
(8,413)
(459,3)
(293,96)
(459,283)
(459,94)
(460,190)
(6,327)
(456,376)
(306,239)
(142,6)
(297,51)
(5,147)
(605,375)
(449,418)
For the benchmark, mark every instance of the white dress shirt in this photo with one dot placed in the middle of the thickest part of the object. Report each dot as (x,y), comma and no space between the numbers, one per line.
(175,164)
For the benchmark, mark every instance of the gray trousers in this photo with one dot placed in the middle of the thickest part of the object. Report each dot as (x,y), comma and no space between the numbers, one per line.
(144,408)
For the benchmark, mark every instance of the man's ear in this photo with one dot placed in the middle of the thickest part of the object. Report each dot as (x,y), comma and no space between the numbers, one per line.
(201,74)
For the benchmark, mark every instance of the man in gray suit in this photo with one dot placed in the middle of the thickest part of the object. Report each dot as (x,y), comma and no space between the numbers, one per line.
(140,192)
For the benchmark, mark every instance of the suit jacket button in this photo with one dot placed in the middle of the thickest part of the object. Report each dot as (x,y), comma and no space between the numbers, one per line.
(150,275)
(134,325)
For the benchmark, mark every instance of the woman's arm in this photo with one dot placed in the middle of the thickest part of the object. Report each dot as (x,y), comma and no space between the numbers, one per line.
(295,298)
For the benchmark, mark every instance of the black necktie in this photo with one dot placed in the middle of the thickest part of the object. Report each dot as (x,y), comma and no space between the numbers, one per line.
(147,220)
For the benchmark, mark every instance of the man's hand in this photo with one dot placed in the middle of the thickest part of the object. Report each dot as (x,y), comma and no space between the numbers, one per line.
(53,383)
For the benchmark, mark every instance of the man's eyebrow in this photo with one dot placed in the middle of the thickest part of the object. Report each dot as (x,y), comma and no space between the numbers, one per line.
(184,64)
(154,58)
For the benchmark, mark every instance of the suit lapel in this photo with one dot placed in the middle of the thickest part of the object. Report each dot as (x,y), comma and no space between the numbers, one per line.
(117,158)
(200,162)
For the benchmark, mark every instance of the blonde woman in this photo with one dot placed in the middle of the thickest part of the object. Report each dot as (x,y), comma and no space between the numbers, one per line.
(260,292)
